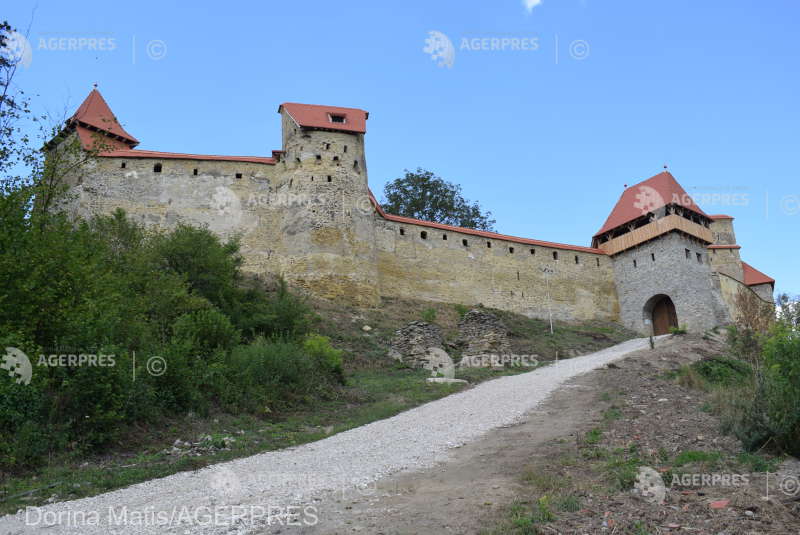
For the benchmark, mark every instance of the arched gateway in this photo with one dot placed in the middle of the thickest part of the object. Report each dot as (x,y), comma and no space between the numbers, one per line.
(660,310)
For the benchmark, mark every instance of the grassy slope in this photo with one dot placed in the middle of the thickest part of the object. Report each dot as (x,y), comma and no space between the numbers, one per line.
(376,388)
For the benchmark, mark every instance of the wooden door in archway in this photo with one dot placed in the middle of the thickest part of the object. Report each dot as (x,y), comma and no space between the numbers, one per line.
(664,316)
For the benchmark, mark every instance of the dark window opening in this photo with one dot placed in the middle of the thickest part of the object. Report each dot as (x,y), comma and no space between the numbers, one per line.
(517,275)
(511,250)
(312,179)
(423,235)
(297,160)
(598,262)
(335,158)
(489,244)
(699,258)
(330,178)
(555,255)
(194,172)
(634,263)
(122,166)
(688,253)
(577,261)
(327,146)
(355,164)
(444,237)
(533,251)
(653,257)
(402,232)
(157,168)
(465,243)
(238,175)
(337,118)
(318,157)
(345,148)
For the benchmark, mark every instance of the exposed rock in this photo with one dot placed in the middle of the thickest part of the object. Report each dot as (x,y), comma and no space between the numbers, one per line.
(483,333)
(366,328)
(411,344)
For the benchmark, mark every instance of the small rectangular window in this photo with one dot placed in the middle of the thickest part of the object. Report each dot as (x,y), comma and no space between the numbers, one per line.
(337,118)
(511,250)
(598,262)
(238,175)
(489,244)
(634,263)
(122,166)
(330,178)
(555,255)
(653,257)
(688,253)
(577,260)
(465,243)
(444,237)
(157,168)
(699,258)
(194,172)
(533,251)
(402,232)
(423,235)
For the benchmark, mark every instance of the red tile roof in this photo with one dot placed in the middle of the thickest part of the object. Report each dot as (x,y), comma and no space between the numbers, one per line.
(753,277)
(647,196)
(314,116)
(134,153)
(94,112)
(724,246)
(99,140)
(481,233)
(720,216)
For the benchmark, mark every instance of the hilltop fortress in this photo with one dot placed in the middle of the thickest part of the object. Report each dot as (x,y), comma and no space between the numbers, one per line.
(307,213)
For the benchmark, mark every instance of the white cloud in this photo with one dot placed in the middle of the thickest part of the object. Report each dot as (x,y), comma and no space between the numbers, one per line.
(530,4)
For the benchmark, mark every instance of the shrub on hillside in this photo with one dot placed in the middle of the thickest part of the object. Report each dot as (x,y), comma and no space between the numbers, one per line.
(781,390)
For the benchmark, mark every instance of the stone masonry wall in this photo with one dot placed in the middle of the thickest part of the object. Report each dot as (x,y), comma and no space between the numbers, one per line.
(436,269)
(663,267)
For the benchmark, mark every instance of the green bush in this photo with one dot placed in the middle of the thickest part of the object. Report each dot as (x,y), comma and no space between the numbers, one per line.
(266,375)
(723,370)
(330,358)
(429,315)
(110,286)
(206,331)
(781,389)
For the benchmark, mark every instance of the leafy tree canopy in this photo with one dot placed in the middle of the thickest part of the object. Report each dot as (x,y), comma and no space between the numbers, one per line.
(423,195)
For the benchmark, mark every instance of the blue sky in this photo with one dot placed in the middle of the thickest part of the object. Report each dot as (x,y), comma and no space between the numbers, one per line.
(604,94)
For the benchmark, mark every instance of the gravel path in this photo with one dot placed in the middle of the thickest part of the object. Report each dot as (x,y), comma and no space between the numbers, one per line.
(281,487)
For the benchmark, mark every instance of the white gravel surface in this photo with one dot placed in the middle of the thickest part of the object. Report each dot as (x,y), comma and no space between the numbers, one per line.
(249,495)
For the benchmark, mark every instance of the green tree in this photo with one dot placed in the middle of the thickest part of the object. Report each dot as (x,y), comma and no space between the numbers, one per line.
(423,195)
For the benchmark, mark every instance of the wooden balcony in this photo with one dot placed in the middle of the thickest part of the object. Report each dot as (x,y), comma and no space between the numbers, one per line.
(655,229)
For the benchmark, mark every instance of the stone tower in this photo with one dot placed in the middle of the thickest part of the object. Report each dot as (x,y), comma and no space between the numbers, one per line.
(331,224)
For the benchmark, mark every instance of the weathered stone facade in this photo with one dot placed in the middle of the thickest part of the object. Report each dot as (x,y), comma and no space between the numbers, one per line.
(675,266)
(307,214)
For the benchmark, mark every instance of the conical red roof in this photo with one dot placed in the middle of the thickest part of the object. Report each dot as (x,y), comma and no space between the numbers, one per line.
(647,196)
(95,112)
